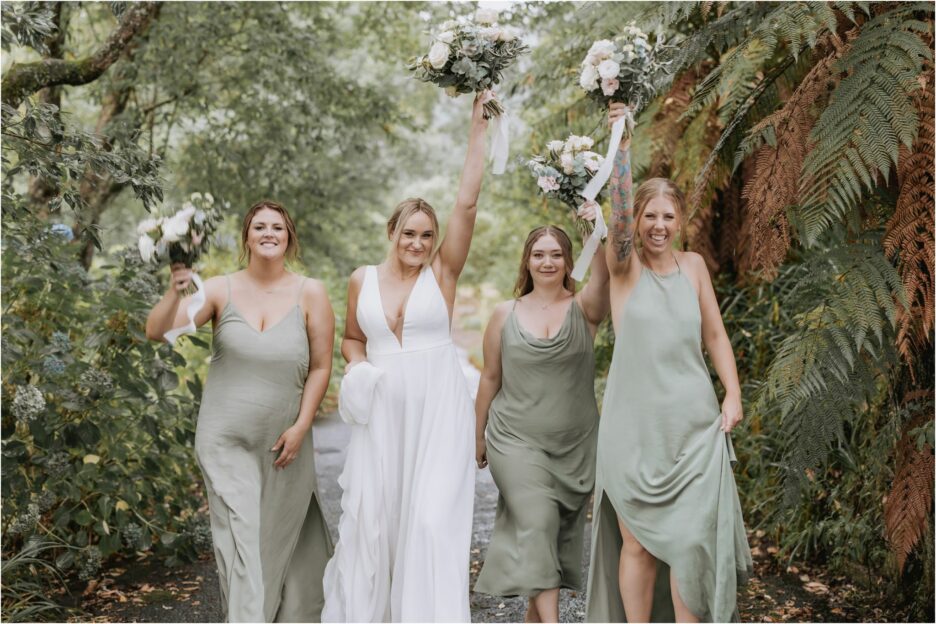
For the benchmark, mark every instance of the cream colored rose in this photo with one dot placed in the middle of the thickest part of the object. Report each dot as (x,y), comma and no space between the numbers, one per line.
(438,54)
(589,78)
(601,49)
(446,36)
(568,162)
(491,33)
(147,225)
(555,146)
(147,248)
(608,69)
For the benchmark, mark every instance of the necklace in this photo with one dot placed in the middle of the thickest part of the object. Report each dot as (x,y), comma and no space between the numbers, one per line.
(543,306)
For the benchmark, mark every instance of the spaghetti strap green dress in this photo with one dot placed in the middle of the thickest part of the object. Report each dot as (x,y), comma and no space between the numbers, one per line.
(541,451)
(270,539)
(664,466)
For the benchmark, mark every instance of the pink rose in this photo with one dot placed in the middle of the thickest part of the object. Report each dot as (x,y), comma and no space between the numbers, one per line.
(547,183)
(609,86)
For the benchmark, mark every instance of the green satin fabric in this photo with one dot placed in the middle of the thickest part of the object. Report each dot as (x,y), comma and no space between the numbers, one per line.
(664,466)
(541,450)
(270,539)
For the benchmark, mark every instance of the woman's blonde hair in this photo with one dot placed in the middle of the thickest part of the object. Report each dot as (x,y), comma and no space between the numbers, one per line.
(401,214)
(292,244)
(525,279)
(660,187)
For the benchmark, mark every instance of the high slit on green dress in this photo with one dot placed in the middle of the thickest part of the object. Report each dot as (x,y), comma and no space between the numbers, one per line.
(270,539)
(664,466)
(541,450)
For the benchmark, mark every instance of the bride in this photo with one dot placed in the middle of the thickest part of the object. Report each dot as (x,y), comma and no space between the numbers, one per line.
(408,481)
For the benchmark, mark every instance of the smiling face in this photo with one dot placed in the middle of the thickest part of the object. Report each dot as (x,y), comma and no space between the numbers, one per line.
(267,236)
(658,225)
(416,240)
(547,263)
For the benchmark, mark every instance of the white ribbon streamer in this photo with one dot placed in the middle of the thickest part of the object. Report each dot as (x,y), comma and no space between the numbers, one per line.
(198,300)
(591,191)
(500,143)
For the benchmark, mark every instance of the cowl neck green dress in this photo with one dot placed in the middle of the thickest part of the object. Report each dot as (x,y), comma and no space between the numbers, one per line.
(541,450)
(664,466)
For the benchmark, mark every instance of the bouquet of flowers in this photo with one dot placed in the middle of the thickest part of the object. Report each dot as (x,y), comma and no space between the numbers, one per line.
(182,237)
(565,170)
(628,69)
(469,56)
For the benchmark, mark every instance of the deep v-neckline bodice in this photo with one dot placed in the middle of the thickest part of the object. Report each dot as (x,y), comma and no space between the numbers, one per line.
(401,320)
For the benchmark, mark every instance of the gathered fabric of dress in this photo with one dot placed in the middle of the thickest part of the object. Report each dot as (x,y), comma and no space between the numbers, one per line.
(270,539)
(541,434)
(426,449)
(664,465)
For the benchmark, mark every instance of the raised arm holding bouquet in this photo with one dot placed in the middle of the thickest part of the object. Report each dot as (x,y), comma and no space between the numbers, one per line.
(469,55)
(628,70)
(179,240)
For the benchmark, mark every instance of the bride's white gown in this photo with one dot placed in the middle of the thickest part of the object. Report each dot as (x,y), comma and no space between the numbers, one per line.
(408,481)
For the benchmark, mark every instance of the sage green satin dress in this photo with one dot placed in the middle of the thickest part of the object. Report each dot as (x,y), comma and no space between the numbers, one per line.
(270,539)
(664,465)
(541,451)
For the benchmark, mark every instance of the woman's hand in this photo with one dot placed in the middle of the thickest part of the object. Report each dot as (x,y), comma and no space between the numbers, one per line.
(731,413)
(615,111)
(477,110)
(288,444)
(481,452)
(181,278)
(588,211)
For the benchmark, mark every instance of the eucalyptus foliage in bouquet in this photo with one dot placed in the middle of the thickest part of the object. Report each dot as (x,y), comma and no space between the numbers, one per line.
(628,69)
(565,170)
(469,55)
(182,237)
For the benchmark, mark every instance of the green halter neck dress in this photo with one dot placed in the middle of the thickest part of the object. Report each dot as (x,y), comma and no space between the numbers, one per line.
(664,466)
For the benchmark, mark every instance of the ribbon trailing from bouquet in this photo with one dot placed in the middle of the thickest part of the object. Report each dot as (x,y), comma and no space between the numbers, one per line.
(500,141)
(196,303)
(591,191)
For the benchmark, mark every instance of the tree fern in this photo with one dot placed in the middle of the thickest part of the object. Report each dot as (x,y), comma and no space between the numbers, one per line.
(870,115)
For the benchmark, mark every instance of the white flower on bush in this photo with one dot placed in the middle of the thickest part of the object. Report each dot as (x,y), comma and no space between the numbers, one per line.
(446,36)
(547,183)
(589,78)
(147,248)
(28,403)
(608,69)
(438,54)
(555,146)
(485,16)
(601,50)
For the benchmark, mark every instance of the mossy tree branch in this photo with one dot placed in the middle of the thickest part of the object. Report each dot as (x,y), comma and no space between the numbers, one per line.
(21,81)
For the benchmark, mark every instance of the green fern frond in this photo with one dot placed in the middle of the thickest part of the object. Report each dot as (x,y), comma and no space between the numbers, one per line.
(858,136)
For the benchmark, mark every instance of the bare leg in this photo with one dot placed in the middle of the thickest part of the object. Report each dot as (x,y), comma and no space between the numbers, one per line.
(636,576)
(683,614)
(547,605)
(532,615)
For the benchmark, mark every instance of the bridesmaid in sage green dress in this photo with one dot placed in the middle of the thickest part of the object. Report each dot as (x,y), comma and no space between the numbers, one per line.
(271,359)
(668,537)
(536,402)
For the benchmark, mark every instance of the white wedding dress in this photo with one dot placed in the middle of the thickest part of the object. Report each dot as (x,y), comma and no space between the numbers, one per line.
(408,481)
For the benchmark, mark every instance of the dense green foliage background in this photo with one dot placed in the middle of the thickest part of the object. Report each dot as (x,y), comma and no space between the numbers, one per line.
(802,133)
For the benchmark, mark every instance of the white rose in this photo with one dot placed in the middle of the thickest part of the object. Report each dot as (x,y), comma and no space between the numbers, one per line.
(188,210)
(509,33)
(438,55)
(592,160)
(485,16)
(589,78)
(147,225)
(446,37)
(568,163)
(209,198)
(173,229)
(555,146)
(491,33)
(608,69)
(196,196)
(601,49)
(449,25)
(147,248)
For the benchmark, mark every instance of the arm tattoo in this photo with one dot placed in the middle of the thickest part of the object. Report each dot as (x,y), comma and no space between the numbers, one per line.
(622,210)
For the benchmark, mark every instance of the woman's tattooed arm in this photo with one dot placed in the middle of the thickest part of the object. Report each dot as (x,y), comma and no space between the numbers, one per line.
(622,209)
